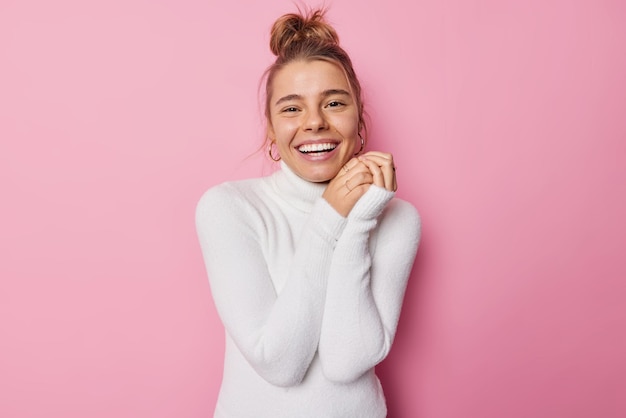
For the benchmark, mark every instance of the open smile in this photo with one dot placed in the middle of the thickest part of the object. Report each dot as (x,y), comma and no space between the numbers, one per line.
(317,148)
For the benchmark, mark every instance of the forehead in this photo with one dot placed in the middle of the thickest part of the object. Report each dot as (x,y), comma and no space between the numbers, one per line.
(309,78)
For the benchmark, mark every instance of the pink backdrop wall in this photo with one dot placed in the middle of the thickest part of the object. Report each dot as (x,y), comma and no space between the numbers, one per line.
(507,123)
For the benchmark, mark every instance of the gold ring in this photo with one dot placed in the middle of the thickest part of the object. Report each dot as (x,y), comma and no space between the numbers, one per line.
(345,168)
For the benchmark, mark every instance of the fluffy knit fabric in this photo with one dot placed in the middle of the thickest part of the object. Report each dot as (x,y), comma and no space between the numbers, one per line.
(310,300)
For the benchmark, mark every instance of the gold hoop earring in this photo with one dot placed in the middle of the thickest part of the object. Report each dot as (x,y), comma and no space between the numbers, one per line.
(269,151)
(362,144)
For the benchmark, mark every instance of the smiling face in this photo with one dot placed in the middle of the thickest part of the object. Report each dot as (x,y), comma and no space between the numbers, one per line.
(314,119)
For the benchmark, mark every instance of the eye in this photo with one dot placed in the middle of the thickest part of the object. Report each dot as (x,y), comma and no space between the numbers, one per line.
(335,103)
(289,109)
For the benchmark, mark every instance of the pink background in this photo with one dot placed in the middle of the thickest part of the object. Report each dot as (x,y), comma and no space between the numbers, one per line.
(507,123)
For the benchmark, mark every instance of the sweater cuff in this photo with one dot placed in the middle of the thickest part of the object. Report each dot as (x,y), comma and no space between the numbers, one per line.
(371,204)
(329,220)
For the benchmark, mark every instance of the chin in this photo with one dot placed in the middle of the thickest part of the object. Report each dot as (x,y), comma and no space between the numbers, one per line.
(321,176)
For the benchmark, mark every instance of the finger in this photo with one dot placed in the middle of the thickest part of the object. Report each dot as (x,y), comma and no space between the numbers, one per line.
(388,171)
(356,180)
(378,154)
(390,177)
(386,166)
(352,164)
(377,174)
(381,161)
(379,157)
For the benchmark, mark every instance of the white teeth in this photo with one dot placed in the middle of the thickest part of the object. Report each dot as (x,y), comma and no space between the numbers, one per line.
(316,147)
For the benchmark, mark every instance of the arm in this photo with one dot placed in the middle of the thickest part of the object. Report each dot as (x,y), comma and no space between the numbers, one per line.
(278,335)
(366,289)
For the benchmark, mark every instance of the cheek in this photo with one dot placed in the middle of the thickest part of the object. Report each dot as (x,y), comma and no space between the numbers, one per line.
(284,131)
(348,128)
(277,127)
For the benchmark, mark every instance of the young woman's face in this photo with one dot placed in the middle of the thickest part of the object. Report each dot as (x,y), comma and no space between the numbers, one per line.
(314,119)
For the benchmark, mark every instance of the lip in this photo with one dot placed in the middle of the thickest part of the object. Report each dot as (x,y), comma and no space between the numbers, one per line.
(321,156)
(317,141)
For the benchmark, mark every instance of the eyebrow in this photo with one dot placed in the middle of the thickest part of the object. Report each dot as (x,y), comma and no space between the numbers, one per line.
(325,93)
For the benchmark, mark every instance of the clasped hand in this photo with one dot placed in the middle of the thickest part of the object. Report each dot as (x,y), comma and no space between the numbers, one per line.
(355,178)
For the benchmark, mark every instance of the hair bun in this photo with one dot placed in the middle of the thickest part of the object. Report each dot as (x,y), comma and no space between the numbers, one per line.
(292,29)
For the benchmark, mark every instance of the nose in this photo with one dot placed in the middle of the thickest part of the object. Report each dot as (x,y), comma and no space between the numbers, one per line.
(315,121)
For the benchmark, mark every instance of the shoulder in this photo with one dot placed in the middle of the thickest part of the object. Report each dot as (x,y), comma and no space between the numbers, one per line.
(402,209)
(401,214)
(232,191)
(229,198)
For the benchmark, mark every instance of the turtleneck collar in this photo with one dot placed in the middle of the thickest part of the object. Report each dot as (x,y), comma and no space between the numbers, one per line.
(294,189)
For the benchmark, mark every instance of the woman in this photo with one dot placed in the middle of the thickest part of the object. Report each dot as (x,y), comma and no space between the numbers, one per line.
(308,266)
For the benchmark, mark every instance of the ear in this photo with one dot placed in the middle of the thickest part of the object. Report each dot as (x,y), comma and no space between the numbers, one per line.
(269,131)
(360,144)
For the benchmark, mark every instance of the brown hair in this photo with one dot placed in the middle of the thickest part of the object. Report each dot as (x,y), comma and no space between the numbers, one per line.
(304,37)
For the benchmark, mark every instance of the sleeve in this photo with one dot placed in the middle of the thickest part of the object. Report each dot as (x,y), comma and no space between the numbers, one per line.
(277,334)
(366,284)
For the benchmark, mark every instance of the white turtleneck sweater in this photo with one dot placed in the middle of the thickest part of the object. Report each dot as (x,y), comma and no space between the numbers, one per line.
(309,299)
